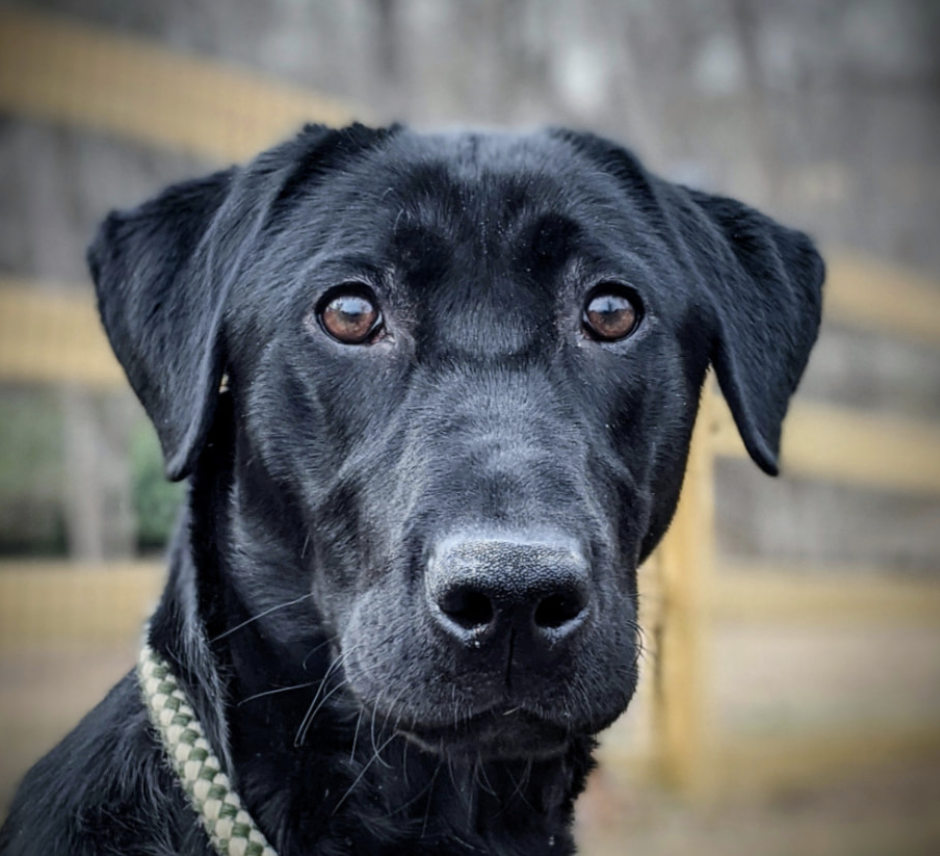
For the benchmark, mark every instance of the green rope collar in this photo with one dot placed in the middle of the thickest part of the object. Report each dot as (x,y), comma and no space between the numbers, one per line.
(232,830)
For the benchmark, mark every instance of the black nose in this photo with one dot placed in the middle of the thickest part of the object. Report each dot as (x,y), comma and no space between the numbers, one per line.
(482,592)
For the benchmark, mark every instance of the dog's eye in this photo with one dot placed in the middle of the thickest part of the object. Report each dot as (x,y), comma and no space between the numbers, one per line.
(610,313)
(350,317)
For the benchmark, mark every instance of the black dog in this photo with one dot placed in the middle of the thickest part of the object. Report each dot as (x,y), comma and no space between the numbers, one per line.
(434,396)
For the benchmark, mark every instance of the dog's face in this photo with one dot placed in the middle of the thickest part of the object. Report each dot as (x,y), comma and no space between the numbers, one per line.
(463,371)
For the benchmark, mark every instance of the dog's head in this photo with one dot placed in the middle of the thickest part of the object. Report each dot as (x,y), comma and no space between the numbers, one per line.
(463,373)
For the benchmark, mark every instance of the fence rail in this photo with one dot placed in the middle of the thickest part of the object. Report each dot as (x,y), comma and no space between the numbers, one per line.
(50,333)
(881,297)
(91,78)
(54,604)
(848,446)
(846,596)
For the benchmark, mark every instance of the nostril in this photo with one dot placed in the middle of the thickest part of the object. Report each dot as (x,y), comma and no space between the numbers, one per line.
(557,610)
(467,607)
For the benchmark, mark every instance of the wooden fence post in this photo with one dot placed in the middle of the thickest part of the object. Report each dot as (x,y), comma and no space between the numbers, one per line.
(682,715)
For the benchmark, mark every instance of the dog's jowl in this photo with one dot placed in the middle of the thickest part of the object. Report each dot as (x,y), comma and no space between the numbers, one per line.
(433,395)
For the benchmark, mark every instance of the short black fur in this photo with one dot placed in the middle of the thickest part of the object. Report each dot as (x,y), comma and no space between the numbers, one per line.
(402,596)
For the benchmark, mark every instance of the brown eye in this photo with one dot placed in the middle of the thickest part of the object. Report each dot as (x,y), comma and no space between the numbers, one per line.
(350,317)
(610,314)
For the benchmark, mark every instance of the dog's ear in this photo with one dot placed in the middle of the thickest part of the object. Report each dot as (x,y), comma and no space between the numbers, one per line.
(765,288)
(163,273)
(762,282)
(161,303)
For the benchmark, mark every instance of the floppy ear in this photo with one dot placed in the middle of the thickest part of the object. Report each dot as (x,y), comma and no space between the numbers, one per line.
(161,303)
(765,287)
(163,273)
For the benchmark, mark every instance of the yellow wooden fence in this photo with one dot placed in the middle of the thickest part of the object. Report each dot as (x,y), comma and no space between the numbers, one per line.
(822,442)
(66,73)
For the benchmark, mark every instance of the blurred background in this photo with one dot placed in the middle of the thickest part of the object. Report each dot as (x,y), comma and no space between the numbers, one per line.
(792,695)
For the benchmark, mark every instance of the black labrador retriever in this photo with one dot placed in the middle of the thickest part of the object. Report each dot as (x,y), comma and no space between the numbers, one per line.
(433,394)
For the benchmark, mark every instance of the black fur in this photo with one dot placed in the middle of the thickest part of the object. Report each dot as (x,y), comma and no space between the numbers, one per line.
(325,610)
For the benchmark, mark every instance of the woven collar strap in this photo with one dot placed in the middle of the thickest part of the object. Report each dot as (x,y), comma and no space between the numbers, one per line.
(232,830)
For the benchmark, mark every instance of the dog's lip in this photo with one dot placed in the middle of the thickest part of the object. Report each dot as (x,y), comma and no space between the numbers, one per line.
(498,733)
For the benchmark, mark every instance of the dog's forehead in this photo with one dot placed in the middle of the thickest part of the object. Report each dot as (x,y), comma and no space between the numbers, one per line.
(470,187)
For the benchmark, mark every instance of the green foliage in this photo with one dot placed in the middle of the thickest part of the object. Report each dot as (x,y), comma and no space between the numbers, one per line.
(31,461)
(156,500)
(30,443)
(33,473)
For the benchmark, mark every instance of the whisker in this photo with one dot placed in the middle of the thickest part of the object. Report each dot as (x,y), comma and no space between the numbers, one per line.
(362,773)
(352,752)
(450,771)
(275,692)
(314,707)
(404,757)
(481,777)
(427,810)
(319,698)
(527,773)
(313,710)
(312,713)
(231,630)
(425,790)
(517,792)
(314,650)
(375,710)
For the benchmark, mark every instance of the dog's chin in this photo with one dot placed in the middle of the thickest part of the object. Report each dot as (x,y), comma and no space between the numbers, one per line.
(494,736)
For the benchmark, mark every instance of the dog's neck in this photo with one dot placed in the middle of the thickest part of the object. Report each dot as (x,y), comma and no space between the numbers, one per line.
(314,769)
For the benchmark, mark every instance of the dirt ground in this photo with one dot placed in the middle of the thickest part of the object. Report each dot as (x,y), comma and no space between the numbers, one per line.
(888,810)
(884,811)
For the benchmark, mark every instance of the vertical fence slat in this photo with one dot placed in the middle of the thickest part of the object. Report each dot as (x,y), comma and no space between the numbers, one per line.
(686,559)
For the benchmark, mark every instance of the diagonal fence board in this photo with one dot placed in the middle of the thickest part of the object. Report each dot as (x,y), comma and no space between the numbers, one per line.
(53,335)
(749,763)
(886,298)
(853,447)
(763,592)
(754,762)
(59,603)
(85,76)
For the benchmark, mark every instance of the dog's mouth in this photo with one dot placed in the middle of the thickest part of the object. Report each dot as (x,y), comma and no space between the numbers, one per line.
(494,735)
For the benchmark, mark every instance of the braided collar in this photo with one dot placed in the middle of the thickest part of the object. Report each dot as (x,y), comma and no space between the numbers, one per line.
(231,829)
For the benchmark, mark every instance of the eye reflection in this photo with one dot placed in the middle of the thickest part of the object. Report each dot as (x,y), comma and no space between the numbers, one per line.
(610,315)
(350,317)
